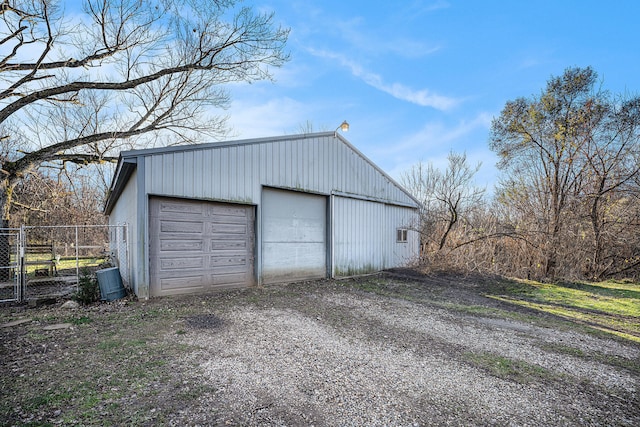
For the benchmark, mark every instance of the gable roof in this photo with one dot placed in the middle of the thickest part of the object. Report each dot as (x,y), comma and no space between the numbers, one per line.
(128,160)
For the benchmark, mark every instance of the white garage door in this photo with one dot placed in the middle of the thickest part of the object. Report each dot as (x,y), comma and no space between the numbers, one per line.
(195,246)
(294,236)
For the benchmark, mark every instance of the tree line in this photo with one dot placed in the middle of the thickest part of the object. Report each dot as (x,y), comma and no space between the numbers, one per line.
(567,204)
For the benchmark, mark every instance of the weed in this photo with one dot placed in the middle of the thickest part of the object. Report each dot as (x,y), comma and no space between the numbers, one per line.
(80,320)
(109,345)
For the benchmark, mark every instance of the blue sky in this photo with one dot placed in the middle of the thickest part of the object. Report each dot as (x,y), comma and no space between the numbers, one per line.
(417,79)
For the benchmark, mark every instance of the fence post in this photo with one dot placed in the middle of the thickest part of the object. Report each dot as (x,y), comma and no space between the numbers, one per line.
(77,255)
(5,250)
(22,276)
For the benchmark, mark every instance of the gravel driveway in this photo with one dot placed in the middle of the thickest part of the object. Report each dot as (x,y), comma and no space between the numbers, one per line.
(374,351)
(330,354)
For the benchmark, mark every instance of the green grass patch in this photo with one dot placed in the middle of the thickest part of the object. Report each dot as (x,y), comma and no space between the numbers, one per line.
(109,345)
(506,368)
(379,287)
(70,263)
(82,320)
(49,398)
(611,307)
(605,297)
(562,349)
(481,310)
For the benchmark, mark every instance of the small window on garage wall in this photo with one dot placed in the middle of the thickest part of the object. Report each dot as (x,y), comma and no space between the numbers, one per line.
(401,235)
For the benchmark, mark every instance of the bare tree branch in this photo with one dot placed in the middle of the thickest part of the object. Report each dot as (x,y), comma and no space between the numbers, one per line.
(125,72)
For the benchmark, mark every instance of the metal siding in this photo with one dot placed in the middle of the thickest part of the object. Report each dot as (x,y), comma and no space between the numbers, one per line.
(315,166)
(213,171)
(237,167)
(262,162)
(192,182)
(402,254)
(293,236)
(236,173)
(320,164)
(357,236)
(364,236)
(125,212)
(179,179)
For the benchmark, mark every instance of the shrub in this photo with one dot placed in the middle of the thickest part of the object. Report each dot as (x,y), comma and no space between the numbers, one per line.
(88,290)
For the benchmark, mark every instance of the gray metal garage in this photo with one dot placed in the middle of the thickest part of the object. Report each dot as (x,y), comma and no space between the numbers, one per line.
(259,211)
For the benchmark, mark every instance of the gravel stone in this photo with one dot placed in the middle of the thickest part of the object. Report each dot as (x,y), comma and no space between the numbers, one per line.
(354,359)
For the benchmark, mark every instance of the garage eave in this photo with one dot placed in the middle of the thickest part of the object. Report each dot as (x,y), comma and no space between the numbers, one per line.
(126,167)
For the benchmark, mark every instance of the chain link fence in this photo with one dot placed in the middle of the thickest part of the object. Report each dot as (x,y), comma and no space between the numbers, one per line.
(9,265)
(47,261)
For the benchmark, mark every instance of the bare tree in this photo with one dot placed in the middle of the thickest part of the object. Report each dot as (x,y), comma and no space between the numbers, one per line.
(446,196)
(41,200)
(78,84)
(609,188)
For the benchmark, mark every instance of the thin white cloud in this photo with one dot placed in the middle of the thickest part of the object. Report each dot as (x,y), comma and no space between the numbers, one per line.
(363,41)
(276,116)
(417,9)
(433,142)
(408,48)
(438,135)
(423,97)
(437,5)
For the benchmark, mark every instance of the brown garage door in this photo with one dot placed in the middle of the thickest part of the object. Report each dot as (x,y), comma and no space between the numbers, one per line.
(195,246)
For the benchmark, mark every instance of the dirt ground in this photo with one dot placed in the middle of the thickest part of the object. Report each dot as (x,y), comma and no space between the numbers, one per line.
(395,349)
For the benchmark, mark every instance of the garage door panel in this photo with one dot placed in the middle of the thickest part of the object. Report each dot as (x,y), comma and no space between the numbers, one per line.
(211,248)
(308,256)
(227,229)
(226,270)
(229,220)
(226,212)
(294,238)
(172,263)
(183,282)
(223,238)
(175,226)
(226,261)
(168,245)
(296,231)
(223,281)
(180,209)
(227,245)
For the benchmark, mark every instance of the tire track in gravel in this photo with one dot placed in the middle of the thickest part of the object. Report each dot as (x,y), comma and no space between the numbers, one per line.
(336,356)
